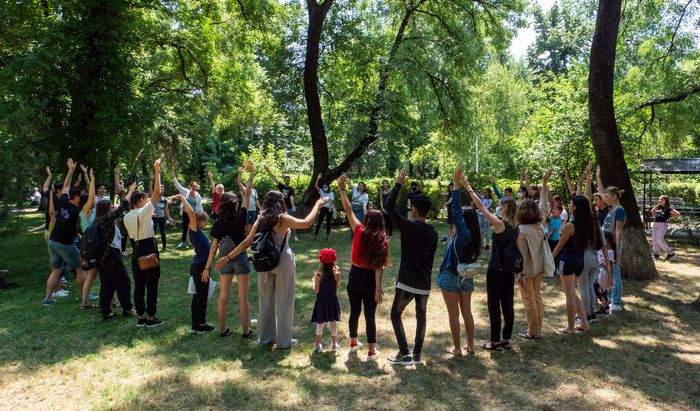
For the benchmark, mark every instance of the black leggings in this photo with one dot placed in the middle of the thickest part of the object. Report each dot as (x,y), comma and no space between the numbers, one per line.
(401,300)
(159,225)
(199,300)
(389,224)
(325,213)
(185,226)
(357,300)
(145,282)
(113,278)
(499,297)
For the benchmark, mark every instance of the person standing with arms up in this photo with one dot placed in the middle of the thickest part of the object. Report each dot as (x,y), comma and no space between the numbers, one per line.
(418,246)
(140,228)
(288,194)
(195,201)
(327,210)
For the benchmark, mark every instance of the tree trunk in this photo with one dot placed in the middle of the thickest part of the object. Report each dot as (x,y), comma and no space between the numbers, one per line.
(636,259)
(318,136)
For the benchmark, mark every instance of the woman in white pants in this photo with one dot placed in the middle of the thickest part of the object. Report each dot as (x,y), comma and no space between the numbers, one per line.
(663,213)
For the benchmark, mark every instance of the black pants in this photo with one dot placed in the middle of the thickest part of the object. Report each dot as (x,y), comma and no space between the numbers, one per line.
(160,225)
(388,224)
(357,300)
(499,293)
(145,282)
(552,246)
(113,278)
(401,300)
(199,300)
(325,213)
(185,226)
(125,235)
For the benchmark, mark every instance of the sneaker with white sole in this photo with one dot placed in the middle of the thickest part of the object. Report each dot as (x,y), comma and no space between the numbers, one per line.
(615,308)
(354,348)
(335,347)
(155,322)
(400,359)
(373,356)
(318,349)
(48,302)
(61,293)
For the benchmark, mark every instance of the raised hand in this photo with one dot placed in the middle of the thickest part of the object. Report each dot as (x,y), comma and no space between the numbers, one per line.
(210,175)
(491,180)
(341,181)
(401,178)
(589,166)
(548,174)
(48,170)
(117,169)
(318,177)
(457,178)
(249,166)
(92,175)
(70,164)
(82,167)
(156,164)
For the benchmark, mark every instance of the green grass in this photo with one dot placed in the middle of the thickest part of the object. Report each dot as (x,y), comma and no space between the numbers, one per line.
(63,357)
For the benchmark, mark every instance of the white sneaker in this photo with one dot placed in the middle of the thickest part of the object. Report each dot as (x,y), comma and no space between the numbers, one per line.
(181,245)
(61,293)
(296,238)
(373,357)
(357,347)
(318,349)
(335,347)
(125,253)
(615,308)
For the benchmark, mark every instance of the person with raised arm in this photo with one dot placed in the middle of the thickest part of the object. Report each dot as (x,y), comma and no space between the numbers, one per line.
(288,194)
(663,213)
(370,256)
(253,204)
(418,247)
(228,231)
(464,247)
(275,287)
(113,275)
(87,217)
(195,201)
(216,191)
(161,214)
(140,227)
(416,190)
(62,248)
(507,192)
(447,195)
(499,281)
(327,210)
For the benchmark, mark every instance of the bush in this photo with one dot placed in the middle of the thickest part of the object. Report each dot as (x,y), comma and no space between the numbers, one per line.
(689,192)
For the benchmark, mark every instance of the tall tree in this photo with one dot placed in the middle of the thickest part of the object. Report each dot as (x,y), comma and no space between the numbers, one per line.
(636,259)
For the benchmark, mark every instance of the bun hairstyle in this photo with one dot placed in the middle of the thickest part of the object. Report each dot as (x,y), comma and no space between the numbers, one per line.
(614,191)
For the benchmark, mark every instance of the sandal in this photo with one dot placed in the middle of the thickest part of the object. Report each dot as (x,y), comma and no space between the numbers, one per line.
(87,307)
(506,345)
(526,335)
(582,330)
(492,346)
(565,330)
(454,351)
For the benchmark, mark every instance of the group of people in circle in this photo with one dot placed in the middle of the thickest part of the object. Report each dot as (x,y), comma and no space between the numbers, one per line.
(533,237)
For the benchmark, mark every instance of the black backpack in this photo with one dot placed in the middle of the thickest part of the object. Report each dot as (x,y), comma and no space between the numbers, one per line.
(266,256)
(91,246)
(511,257)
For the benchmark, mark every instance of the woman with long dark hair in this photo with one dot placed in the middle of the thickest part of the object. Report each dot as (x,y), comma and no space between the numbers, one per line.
(463,247)
(663,213)
(370,255)
(276,287)
(227,232)
(576,237)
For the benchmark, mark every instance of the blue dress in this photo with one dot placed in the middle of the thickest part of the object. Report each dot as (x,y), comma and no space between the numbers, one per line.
(327,307)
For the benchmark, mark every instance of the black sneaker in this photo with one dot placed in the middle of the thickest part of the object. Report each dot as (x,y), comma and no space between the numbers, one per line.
(670,256)
(155,322)
(602,311)
(226,333)
(656,257)
(142,322)
(415,360)
(248,335)
(109,316)
(202,329)
(400,359)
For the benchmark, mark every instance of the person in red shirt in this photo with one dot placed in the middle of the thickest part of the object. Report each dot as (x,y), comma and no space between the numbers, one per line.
(217,190)
(370,255)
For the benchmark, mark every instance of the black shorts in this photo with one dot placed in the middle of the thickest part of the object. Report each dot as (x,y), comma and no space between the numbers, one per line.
(570,263)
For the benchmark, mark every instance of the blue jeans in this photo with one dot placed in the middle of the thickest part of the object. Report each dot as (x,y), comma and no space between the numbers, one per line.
(485,229)
(616,291)
(63,253)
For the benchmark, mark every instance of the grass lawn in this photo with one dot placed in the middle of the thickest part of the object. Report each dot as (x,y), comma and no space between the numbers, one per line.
(62,357)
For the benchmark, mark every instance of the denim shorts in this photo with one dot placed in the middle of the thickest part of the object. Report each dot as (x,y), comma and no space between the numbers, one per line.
(450,282)
(60,253)
(252,216)
(238,266)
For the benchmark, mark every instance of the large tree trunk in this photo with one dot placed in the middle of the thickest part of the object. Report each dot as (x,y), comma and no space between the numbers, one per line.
(636,258)
(318,136)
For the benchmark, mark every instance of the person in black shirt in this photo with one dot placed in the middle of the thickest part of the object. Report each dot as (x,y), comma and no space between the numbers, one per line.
(62,248)
(418,246)
(227,232)
(415,191)
(288,194)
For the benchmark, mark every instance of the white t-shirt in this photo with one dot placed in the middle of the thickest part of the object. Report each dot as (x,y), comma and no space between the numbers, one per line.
(117,239)
(359,198)
(329,194)
(253,200)
(144,223)
(564,220)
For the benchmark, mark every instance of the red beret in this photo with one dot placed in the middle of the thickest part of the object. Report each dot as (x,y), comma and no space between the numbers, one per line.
(327,256)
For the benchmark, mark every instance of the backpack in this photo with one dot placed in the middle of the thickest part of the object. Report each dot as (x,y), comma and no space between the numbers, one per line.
(511,257)
(266,256)
(91,245)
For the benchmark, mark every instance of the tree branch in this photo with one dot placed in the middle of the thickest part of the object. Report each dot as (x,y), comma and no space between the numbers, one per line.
(675,32)
(671,99)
